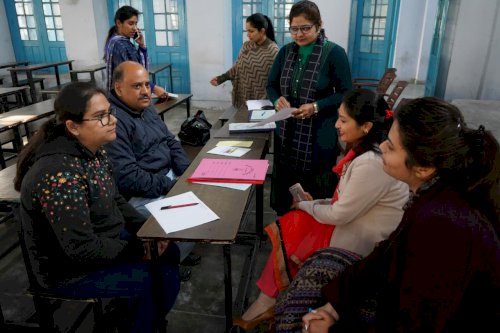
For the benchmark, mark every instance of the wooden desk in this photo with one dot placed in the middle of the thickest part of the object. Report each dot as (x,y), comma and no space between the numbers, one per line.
(24,116)
(230,205)
(19,92)
(172,103)
(13,64)
(8,194)
(156,68)
(91,70)
(241,116)
(29,74)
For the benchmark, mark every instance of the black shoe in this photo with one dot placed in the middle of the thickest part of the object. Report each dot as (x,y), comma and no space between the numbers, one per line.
(191,260)
(184,273)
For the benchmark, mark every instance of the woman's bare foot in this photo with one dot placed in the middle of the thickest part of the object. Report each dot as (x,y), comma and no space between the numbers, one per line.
(259,306)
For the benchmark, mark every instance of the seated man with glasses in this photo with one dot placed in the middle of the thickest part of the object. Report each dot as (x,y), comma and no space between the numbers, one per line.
(147,158)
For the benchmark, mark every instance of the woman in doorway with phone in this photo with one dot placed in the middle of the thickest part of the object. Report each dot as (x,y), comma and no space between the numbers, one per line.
(366,206)
(119,48)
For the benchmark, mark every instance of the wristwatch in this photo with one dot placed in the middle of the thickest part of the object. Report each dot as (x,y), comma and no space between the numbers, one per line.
(315,105)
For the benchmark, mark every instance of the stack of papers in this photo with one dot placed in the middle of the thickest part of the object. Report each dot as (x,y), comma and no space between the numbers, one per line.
(258,115)
(257,104)
(191,212)
(229,151)
(251,127)
(230,171)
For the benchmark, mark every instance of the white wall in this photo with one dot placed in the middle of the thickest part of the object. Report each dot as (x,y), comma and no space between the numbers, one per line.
(414,38)
(209,46)
(336,16)
(6,49)
(474,57)
(85,26)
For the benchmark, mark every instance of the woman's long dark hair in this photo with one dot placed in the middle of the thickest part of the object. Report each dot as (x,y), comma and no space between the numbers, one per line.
(363,106)
(307,8)
(70,104)
(260,21)
(122,14)
(434,134)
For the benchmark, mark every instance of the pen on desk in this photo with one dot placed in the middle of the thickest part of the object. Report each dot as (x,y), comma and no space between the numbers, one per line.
(179,206)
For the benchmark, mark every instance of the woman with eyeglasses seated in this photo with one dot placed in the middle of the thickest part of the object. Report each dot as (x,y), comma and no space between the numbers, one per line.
(310,74)
(79,230)
(439,271)
(249,74)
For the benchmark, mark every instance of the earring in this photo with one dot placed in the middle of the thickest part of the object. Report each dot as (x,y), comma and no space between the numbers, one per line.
(365,131)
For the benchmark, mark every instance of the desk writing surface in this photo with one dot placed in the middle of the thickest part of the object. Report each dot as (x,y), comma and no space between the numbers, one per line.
(34,67)
(32,112)
(88,69)
(13,64)
(228,204)
(155,68)
(7,192)
(11,90)
(241,116)
(171,102)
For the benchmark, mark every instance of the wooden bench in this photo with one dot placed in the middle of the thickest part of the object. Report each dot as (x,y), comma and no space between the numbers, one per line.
(171,103)
(52,90)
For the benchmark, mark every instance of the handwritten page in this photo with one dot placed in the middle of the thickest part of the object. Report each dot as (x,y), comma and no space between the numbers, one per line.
(181,218)
(229,151)
(257,104)
(280,115)
(251,127)
(230,171)
(235,143)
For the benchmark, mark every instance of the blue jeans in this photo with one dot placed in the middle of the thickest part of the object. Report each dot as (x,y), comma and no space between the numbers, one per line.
(133,280)
(140,203)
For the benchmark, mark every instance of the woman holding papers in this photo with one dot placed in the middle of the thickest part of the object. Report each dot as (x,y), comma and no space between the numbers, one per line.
(366,206)
(249,74)
(79,230)
(310,74)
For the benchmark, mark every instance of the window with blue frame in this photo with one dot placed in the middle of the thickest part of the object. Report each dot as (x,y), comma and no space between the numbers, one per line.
(277,11)
(373,26)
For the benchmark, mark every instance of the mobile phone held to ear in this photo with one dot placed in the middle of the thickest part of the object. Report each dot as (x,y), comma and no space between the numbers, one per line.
(137,35)
(297,192)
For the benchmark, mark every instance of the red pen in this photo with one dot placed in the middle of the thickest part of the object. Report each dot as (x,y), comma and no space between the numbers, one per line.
(179,206)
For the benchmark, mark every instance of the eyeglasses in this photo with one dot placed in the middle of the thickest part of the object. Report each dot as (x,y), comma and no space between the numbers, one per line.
(105,118)
(303,28)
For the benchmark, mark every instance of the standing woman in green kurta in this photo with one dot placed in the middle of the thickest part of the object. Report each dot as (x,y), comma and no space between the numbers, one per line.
(311,74)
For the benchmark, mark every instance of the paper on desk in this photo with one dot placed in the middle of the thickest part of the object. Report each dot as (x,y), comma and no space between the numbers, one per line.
(176,219)
(229,151)
(257,104)
(234,186)
(258,115)
(244,144)
(280,115)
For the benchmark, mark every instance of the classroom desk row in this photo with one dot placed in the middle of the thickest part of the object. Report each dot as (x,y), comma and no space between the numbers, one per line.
(230,205)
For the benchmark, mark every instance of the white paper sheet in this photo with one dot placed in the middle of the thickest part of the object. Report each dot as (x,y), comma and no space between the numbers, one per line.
(258,115)
(280,115)
(176,219)
(251,127)
(234,186)
(229,151)
(257,104)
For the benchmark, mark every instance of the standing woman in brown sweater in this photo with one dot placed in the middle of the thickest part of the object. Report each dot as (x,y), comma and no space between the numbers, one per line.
(249,74)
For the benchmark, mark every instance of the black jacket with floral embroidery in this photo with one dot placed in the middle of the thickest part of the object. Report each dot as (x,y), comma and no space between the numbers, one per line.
(74,213)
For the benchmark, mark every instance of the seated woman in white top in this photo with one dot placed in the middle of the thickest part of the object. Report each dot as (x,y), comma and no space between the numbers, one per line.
(366,207)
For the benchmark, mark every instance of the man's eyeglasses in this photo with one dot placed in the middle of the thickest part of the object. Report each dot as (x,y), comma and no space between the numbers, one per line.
(105,118)
(303,28)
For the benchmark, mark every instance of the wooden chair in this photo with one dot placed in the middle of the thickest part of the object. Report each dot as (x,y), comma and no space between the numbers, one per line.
(381,85)
(47,302)
(396,93)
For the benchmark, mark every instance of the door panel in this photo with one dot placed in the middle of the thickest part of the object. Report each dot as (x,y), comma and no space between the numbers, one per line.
(36,30)
(374,22)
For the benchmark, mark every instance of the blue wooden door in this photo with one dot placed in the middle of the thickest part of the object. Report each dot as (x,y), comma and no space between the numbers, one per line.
(277,11)
(36,30)
(435,54)
(164,24)
(371,43)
